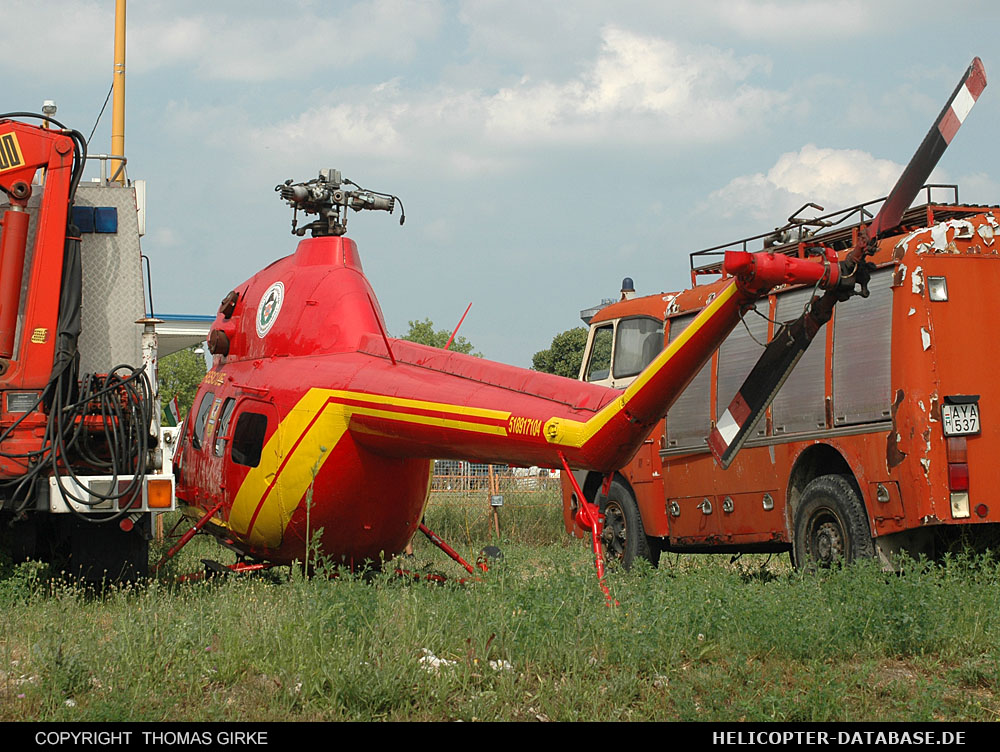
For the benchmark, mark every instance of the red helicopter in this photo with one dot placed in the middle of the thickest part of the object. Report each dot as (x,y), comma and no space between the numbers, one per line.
(313,418)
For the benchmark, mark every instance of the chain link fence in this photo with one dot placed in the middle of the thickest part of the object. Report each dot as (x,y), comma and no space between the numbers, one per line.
(459,477)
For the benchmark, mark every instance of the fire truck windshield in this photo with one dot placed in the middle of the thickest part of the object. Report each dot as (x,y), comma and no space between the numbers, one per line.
(637,342)
(634,342)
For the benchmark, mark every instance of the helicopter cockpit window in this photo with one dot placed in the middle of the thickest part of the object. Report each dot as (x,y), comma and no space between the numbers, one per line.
(220,432)
(200,418)
(599,367)
(639,341)
(248,439)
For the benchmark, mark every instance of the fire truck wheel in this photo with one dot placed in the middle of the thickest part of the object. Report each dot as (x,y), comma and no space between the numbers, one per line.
(624,538)
(831,524)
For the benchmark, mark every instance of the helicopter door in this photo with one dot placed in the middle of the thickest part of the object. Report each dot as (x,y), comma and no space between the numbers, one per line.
(250,444)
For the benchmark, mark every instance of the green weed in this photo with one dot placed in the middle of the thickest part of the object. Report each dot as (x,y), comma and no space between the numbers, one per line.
(700,638)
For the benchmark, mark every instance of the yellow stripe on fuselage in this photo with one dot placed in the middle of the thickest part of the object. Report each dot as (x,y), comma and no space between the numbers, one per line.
(461,425)
(310,431)
(574,433)
(304,440)
(444,407)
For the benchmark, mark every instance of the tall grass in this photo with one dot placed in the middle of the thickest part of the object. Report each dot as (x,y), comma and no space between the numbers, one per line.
(531,517)
(701,638)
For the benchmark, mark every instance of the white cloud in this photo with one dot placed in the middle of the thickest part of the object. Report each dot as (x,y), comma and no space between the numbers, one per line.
(637,89)
(219,40)
(281,43)
(439,231)
(34,42)
(653,87)
(789,19)
(978,188)
(164,237)
(833,178)
(354,128)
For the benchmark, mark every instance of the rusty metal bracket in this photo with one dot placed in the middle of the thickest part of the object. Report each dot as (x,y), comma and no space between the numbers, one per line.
(437,541)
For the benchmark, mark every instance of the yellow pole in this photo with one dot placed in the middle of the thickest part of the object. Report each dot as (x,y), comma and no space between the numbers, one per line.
(118,105)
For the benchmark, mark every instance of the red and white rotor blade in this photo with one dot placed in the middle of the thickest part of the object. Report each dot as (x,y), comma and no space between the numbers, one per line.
(788,345)
(926,157)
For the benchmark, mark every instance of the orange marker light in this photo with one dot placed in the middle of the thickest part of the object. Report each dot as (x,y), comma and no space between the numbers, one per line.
(158,493)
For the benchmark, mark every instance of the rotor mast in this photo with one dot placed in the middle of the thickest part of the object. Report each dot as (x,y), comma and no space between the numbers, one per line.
(328,197)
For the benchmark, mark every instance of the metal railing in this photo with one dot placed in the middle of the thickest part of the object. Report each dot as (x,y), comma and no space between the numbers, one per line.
(104,159)
(827,228)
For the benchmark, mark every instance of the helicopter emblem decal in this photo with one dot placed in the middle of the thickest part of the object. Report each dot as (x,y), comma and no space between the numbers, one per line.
(269,308)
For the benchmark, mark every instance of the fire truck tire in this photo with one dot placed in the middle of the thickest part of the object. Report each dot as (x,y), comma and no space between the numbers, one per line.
(624,538)
(831,524)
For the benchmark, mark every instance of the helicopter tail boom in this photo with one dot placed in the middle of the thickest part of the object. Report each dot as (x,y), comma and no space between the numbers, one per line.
(496,413)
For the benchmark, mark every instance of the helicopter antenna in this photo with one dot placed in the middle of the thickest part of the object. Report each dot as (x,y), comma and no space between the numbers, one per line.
(452,337)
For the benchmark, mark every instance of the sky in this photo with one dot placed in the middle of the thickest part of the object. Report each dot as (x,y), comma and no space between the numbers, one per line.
(542,150)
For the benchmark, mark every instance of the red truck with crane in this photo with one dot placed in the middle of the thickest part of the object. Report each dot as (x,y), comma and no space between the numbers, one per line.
(80,468)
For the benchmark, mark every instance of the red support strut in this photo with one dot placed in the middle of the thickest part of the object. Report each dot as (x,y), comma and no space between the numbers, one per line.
(13,242)
(188,535)
(588,518)
(433,537)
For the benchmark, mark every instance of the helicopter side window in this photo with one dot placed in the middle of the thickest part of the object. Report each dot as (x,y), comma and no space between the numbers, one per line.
(639,341)
(220,434)
(248,439)
(599,367)
(182,432)
(201,418)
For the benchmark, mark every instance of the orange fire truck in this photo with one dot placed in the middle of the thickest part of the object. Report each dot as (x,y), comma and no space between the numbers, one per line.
(882,438)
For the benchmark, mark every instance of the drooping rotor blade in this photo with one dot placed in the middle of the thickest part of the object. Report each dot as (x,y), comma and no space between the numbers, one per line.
(783,352)
(930,150)
(760,387)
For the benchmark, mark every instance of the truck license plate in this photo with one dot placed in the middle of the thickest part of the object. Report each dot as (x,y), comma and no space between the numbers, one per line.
(960,420)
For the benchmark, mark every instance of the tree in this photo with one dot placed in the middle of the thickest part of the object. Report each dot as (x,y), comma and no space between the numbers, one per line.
(423,333)
(564,356)
(180,373)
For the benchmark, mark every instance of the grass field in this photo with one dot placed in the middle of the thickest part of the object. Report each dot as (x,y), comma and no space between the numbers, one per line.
(700,638)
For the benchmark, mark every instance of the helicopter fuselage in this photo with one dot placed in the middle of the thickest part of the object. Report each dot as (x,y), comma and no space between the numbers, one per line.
(314,425)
